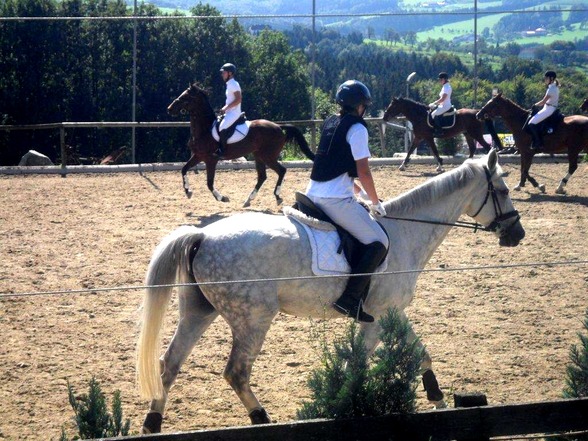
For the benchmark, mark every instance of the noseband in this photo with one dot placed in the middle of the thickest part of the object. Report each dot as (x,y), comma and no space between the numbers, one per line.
(500,217)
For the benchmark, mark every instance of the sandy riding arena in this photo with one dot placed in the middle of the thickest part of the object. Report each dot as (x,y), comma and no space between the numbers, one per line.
(504,331)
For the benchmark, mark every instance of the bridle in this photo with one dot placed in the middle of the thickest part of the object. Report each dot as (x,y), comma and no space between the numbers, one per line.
(495,225)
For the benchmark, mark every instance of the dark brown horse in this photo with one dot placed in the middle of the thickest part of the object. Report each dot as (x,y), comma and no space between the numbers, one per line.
(584,106)
(417,114)
(265,140)
(571,137)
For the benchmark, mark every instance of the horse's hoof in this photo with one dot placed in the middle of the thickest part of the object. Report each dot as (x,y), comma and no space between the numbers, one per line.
(440,169)
(259,416)
(224,199)
(559,190)
(279,201)
(517,188)
(541,188)
(152,423)
(189,194)
(247,203)
(440,404)
(402,167)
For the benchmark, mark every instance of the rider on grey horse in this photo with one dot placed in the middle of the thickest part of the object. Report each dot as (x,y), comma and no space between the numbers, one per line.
(342,155)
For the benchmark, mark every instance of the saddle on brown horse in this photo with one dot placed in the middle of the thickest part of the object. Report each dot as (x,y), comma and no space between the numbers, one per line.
(446,119)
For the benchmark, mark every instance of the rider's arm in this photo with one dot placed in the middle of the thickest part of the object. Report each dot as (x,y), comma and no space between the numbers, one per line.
(440,100)
(234,103)
(364,175)
(543,101)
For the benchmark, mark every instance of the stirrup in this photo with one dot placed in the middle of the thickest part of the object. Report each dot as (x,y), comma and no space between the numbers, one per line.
(356,313)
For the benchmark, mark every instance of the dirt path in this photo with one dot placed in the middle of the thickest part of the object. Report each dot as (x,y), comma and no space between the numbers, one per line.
(505,332)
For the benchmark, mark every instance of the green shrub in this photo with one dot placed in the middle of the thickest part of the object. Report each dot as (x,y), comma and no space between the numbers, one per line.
(351,384)
(92,417)
(577,371)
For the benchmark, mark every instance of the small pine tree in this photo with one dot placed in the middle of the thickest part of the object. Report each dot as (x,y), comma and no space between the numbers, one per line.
(92,417)
(350,384)
(577,375)
(577,371)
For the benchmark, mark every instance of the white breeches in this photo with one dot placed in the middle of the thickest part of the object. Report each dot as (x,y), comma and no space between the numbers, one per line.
(545,112)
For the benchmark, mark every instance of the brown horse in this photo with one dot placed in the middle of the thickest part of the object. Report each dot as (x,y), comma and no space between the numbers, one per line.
(571,137)
(584,106)
(417,114)
(265,140)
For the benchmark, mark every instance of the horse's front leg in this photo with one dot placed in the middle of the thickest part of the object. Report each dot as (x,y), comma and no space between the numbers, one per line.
(431,142)
(210,172)
(413,146)
(261,177)
(191,163)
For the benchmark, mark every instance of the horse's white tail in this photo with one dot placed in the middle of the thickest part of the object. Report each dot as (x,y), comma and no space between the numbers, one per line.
(169,263)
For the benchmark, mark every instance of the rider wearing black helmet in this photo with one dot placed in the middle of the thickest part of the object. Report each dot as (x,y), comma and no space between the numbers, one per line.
(232,107)
(549,105)
(443,104)
(342,156)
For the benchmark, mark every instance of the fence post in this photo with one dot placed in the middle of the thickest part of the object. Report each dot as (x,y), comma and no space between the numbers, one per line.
(382,139)
(63,151)
(473,399)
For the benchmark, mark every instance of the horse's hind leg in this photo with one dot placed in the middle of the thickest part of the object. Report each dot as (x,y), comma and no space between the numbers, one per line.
(196,315)
(261,178)
(573,166)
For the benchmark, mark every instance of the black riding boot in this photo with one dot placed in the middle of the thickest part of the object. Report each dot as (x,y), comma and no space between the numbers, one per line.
(222,144)
(350,302)
(537,145)
(438,130)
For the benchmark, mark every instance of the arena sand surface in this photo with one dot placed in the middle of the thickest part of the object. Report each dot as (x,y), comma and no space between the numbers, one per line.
(504,332)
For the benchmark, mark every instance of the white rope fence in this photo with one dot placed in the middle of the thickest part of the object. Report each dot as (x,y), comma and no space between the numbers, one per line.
(285,279)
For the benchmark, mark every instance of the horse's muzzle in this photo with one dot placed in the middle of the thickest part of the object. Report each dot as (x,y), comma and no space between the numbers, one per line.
(512,235)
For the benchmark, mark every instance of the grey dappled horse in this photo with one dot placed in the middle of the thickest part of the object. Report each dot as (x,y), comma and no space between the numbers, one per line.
(251,247)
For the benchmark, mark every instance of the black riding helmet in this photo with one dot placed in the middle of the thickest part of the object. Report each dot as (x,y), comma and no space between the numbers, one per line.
(550,74)
(352,93)
(443,75)
(229,67)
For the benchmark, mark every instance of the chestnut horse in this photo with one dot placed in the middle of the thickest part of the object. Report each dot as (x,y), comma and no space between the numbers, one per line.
(584,106)
(465,122)
(265,140)
(571,137)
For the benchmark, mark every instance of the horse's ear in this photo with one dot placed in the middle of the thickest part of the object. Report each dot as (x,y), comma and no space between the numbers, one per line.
(492,160)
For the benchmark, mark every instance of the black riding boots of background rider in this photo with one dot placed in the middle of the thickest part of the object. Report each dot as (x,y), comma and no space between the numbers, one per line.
(438,130)
(222,144)
(537,145)
(351,301)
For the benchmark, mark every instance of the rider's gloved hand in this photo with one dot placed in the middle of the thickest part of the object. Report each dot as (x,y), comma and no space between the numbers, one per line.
(378,209)
(432,105)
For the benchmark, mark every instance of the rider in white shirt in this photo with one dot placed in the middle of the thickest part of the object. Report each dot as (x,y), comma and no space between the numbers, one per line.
(443,104)
(232,107)
(342,156)
(549,102)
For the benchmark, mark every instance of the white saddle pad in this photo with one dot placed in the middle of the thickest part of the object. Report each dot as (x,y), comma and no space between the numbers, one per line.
(324,242)
(240,132)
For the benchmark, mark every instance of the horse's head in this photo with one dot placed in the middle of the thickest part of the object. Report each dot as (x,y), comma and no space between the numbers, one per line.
(490,109)
(192,100)
(493,207)
(584,106)
(393,109)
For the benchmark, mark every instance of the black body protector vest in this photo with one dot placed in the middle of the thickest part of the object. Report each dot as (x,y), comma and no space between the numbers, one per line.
(333,156)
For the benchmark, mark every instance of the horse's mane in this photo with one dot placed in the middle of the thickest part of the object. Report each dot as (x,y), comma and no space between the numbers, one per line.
(416,103)
(436,188)
(513,103)
(208,111)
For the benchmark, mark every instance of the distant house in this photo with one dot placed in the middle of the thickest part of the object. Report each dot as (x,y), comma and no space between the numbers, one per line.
(539,32)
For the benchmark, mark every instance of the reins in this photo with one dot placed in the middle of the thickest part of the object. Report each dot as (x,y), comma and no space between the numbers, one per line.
(494,225)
